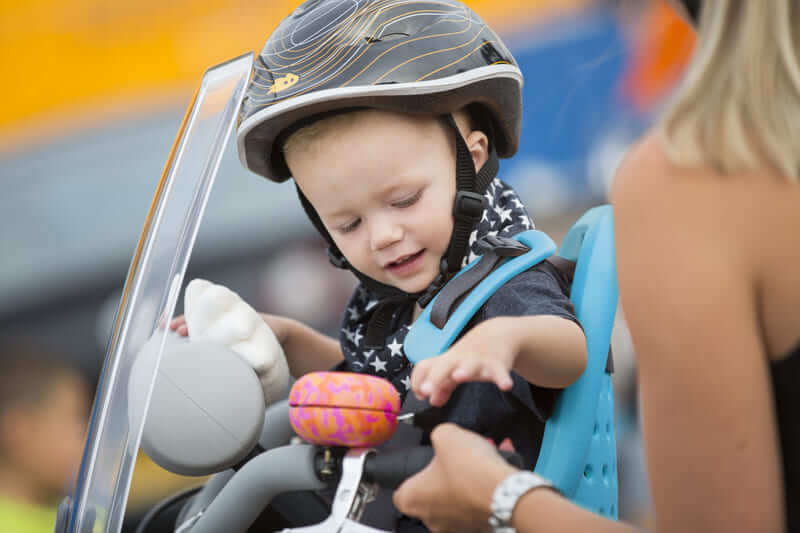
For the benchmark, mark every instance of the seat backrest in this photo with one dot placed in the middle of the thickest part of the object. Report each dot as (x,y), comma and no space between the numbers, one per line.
(578,450)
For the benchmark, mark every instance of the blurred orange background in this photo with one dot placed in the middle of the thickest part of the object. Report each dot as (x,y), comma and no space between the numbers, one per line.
(84,62)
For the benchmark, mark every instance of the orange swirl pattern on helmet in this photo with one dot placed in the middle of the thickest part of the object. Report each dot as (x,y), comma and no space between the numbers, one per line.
(343,409)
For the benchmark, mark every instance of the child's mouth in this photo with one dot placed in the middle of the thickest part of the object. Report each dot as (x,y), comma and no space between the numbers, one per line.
(405,265)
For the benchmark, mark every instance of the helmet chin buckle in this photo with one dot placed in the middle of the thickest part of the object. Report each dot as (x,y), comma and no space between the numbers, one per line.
(468,206)
(336,258)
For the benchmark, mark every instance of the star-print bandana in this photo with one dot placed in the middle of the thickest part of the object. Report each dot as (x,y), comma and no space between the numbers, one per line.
(504,215)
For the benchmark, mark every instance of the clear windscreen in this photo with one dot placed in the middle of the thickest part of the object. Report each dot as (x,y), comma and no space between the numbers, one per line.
(150,295)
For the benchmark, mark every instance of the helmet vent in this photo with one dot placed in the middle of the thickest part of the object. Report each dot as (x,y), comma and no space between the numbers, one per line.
(386,37)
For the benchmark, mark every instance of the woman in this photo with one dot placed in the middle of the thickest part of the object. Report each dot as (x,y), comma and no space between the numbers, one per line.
(707,210)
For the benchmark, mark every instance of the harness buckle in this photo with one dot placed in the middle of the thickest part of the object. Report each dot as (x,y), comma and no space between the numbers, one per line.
(502,246)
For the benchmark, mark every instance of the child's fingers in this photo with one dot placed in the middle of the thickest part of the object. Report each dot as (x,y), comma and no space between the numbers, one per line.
(468,370)
(499,374)
(178,325)
(440,396)
(438,375)
(442,393)
(418,375)
(482,369)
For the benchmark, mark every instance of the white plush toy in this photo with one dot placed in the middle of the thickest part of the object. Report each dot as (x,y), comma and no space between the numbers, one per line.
(217,314)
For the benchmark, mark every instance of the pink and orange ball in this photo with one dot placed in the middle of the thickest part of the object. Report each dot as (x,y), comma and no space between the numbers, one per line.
(343,409)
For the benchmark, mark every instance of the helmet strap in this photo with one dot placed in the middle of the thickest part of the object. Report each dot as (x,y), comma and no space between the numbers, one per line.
(469,201)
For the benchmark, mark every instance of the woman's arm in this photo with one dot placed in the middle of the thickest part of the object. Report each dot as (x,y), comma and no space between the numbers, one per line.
(687,290)
(454,492)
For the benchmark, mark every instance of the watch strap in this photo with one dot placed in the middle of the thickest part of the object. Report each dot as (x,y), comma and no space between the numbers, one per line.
(508,493)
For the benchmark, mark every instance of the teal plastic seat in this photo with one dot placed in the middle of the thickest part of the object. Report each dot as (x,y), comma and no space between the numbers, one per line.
(578,452)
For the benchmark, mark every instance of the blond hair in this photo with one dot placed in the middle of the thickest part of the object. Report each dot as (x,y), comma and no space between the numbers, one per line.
(307,137)
(738,108)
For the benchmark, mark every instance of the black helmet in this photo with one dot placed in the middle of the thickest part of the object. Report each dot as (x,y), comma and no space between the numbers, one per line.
(417,56)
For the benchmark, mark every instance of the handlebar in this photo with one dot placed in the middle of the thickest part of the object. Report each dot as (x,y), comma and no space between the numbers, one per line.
(238,499)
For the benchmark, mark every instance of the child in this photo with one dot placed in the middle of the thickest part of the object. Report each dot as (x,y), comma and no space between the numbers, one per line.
(43,414)
(389,115)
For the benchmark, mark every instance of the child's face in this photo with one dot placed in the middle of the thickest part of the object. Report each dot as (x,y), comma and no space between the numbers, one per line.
(384,185)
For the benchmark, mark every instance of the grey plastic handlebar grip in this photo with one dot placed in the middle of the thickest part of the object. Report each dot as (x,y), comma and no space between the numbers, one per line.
(252,488)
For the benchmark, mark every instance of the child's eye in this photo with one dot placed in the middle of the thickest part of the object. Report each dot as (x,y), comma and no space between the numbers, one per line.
(407,202)
(350,226)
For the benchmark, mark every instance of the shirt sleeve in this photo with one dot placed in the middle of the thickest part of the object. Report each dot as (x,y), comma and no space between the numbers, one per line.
(540,290)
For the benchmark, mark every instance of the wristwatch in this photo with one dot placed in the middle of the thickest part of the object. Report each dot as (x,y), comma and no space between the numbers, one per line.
(507,494)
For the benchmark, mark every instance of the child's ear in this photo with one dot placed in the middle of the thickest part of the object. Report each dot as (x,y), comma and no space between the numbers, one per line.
(478,146)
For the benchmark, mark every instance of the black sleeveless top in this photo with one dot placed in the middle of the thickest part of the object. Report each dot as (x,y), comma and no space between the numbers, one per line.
(786,389)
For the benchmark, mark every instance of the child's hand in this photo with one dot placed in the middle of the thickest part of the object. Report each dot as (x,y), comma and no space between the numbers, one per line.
(279,325)
(179,326)
(480,355)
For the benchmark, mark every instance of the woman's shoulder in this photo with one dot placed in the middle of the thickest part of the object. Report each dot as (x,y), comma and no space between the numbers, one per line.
(649,187)
(668,216)
(647,179)
(650,193)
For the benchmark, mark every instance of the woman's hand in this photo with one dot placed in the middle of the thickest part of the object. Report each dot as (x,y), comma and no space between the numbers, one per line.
(454,492)
(480,355)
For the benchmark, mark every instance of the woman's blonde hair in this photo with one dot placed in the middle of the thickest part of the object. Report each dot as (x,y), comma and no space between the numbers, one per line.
(738,108)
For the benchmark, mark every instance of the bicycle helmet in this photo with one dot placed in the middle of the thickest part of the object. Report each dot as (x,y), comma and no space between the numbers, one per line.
(418,56)
(415,56)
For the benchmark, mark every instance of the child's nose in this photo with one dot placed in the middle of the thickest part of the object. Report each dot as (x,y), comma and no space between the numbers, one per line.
(384,233)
